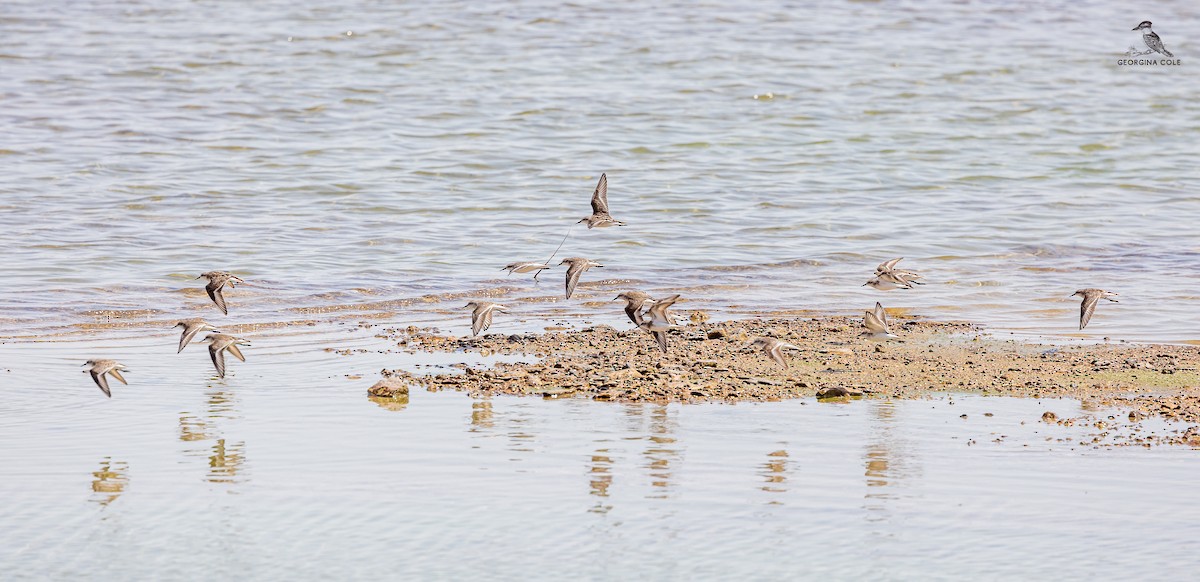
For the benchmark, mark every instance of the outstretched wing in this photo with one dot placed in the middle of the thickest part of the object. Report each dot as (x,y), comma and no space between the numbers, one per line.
(873,323)
(634,313)
(659,309)
(237,353)
(218,358)
(573,273)
(600,196)
(214,293)
(1087,308)
(189,333)
(117,374)
(776,353)
(481,320)
(102,382)
(661,336)
(887,265)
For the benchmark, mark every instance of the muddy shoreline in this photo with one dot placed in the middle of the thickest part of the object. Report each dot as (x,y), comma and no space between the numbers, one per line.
(708,361)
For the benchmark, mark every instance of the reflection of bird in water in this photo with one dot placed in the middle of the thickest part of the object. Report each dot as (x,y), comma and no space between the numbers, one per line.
(110,480)
(225,462)
(481,415)
(775,472)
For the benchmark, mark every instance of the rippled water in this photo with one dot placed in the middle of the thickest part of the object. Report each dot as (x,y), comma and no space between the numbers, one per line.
(378,161)
(364,151)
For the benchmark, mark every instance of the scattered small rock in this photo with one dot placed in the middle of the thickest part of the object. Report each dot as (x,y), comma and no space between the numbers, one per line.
(837,392)
(389,388)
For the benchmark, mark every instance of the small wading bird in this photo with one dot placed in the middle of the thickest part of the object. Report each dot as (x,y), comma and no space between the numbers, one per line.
(218,344)
(1151,39)
(102,367)
(481,314)
(578,266)
(772,347)
(600,217)
(217,281)
(635,301)
(1090,298)
(191,327)
(659,320)
(876,323)
(888,277)
(529,267)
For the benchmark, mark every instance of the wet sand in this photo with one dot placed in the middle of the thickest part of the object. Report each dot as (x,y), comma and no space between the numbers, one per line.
(709,362)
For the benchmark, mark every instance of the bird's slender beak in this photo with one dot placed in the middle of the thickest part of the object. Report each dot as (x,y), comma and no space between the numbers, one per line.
(615,298)
(1137,28)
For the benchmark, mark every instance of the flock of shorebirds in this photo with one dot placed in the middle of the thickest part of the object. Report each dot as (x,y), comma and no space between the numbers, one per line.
(643,310)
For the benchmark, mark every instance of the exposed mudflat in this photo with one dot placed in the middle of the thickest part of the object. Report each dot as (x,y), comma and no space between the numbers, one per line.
(711,361)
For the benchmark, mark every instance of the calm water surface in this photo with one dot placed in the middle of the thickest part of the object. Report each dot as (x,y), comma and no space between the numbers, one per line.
(379,161)
(286,466)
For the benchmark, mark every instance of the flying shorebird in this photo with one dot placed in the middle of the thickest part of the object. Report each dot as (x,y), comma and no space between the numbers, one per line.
(218,344)
(888,277)
(481,314)
(772,347)
(1090,298)
(1152,41)
(888,283)
(876,323)
(217,281)
(527,267)
(889,268)
(191,327)
(659,320)
(578,266)
(102,367)
(635,301)
(600,217)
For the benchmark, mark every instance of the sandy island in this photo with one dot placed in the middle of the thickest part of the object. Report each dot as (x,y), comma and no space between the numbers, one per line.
(709,362)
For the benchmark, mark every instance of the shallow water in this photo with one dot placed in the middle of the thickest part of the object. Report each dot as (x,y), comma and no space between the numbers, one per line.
(287,466)
(359,152)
